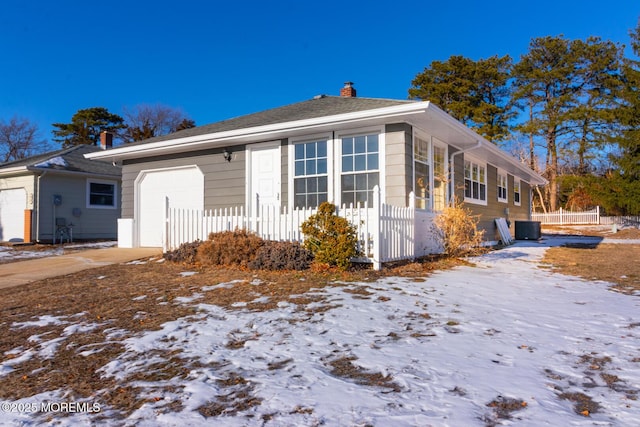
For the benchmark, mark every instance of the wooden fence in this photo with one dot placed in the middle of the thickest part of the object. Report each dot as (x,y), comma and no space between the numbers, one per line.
(385,233)
(564,217)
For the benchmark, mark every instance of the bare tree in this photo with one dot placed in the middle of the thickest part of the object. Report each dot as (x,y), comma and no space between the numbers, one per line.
(146,121)
(19,139)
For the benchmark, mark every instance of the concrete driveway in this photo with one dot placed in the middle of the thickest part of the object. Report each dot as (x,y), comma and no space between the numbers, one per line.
(21,272)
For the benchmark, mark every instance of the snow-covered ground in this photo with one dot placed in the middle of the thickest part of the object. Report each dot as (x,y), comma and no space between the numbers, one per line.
(11,253)
(504,330)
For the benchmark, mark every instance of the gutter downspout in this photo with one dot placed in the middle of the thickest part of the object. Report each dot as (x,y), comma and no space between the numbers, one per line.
(38,207)
(452,169)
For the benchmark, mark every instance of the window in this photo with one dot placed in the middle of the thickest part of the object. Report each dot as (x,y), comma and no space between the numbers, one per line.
(360,168)
(439,177)
(516,192)
(475,182)
(421,172)
(101,194)
(502,187)
(310,174)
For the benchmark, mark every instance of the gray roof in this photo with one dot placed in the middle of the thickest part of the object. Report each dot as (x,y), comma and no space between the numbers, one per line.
(320,106)
(68,159)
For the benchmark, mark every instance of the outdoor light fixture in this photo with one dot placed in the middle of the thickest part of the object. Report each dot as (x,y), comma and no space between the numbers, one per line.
(227,155)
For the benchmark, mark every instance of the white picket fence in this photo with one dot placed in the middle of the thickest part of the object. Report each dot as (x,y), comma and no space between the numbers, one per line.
(385,233)
(564,217)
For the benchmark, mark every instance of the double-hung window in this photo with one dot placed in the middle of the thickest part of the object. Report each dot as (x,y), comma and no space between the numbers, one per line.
(421,173)
(502,187)
(475,182)
(360,168)
(516,192)
(439,177)
(310,174)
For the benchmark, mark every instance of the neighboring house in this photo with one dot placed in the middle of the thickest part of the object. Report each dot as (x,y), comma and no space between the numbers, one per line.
(60,195)
(328,148)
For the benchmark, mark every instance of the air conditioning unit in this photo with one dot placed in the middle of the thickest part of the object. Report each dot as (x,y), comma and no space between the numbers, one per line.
(528,230)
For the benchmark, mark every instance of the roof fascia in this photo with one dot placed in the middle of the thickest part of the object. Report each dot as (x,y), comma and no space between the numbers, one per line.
(14,170)
(534,177)
(196,142)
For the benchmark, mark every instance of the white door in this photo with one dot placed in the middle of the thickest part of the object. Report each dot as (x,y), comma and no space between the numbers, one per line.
(184,187)
(12,205)
(265,177)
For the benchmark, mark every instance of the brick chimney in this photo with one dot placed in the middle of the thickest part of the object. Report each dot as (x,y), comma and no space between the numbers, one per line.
(106,140)
(348,91)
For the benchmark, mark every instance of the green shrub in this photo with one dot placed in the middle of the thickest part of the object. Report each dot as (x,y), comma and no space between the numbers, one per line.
(186,253)
(330,238)
(281,256)
(229,248)
(457,231)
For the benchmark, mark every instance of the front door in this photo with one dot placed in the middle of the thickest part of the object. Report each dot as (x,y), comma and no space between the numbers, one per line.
(265,176)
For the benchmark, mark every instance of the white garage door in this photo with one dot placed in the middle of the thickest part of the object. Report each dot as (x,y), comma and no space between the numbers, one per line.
(12,206)
(183,187)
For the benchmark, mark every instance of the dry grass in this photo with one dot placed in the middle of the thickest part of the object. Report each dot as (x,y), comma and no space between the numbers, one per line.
(133,298)
(141,297)
(615,263)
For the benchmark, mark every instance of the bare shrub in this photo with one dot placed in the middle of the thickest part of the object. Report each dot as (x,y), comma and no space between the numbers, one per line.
(187,253)
(457,231)
(281,256)
(237,247)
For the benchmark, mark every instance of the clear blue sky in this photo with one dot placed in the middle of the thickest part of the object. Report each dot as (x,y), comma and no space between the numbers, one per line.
(221,59)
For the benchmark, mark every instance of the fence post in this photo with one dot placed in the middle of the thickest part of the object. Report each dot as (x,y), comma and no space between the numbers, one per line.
(377,236)
(254,215)
(561,219)
(412,213)
(165,228)
(598,214)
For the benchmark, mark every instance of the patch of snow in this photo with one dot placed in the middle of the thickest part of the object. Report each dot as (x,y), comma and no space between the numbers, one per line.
(54,161)
(261,300)
(185,300)
(188,273)
(12,253)
(140,298)
(45,320)
(447,346)
(6,366)
(224,285)
(92,245)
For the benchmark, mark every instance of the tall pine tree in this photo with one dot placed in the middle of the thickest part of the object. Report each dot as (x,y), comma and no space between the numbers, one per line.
(475,93)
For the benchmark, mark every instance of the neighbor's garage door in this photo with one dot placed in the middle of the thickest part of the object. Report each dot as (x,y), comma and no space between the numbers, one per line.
(183,187)
(12,205)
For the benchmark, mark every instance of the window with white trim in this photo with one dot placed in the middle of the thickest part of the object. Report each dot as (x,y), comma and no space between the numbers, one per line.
(439,177)
(310,174)
(516,192)
(502,187)
(421,175)
(360,168)
(475,182)
(101,194)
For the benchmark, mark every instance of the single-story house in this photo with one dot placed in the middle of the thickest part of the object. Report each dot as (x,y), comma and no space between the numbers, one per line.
(329,148)
(60,196)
